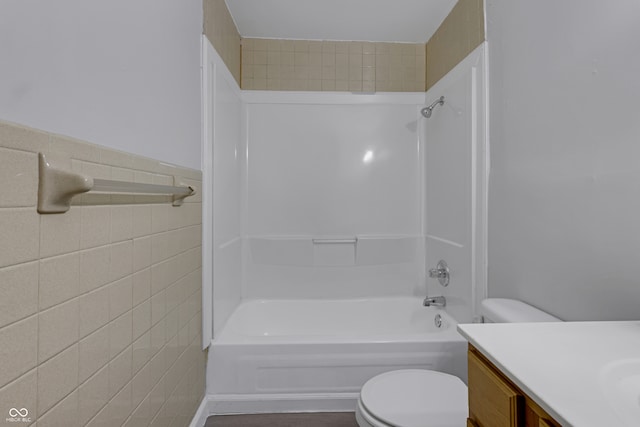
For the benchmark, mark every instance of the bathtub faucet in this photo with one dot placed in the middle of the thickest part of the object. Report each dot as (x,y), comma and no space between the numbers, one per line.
(435,302)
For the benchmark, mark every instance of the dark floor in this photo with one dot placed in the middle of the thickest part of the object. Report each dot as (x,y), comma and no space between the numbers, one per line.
(320,419)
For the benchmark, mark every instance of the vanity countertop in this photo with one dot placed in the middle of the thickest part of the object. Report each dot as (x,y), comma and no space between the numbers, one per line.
(584,374)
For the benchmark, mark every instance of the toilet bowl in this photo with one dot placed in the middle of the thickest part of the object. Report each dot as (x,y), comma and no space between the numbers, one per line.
(424,398)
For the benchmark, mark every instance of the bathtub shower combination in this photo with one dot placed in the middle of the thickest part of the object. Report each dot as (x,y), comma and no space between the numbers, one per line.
(316,355)
(322,239)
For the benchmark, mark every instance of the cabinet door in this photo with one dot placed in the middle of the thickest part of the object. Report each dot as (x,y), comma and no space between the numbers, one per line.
(536,416)
(492,401)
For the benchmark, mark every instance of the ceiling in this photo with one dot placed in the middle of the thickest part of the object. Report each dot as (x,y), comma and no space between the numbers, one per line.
(411,21)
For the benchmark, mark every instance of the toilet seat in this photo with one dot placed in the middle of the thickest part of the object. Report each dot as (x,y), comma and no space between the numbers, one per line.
(414,398)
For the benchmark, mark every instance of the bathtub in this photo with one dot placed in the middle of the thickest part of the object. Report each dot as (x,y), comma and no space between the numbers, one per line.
(315,355)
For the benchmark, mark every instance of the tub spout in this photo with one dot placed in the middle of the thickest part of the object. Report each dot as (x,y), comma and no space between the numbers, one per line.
(434,302)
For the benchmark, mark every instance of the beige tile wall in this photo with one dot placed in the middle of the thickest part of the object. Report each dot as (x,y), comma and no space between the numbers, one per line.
(269,64)
(458,35)
(223,34)
(100,307)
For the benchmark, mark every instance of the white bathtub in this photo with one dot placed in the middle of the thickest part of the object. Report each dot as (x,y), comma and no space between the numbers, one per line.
(314,355)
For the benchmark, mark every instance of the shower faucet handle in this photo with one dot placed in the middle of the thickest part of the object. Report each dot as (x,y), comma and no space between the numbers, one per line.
(437,273)
(441,272)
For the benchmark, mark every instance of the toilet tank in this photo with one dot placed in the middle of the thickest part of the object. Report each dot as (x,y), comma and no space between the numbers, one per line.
(502,310)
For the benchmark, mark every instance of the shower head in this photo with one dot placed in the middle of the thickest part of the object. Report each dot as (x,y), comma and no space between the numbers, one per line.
(426,111)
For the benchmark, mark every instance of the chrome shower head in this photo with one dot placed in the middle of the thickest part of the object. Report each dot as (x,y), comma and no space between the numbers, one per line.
(426,111)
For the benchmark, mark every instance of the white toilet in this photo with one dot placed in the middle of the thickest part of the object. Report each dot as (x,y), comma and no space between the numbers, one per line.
(423,398)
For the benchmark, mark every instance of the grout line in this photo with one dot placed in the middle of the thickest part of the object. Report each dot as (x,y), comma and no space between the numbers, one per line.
(54,405)
(189,252)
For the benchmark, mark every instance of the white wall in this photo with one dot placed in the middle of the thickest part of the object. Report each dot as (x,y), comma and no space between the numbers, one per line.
(455,185)
(222,255)
(328,165)
(564,203)
(123,74)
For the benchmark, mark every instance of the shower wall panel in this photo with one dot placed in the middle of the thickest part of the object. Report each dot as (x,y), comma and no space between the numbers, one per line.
(333,166)
(455,178)
(223,153)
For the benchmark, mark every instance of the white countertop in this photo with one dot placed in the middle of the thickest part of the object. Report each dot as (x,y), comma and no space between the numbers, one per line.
(560,365)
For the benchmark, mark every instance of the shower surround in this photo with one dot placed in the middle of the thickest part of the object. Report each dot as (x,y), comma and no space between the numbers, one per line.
(320,202)
(318,205)
(332,195)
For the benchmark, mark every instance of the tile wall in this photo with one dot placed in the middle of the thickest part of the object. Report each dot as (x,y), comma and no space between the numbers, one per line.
(100,307)
(223,34)
(269,64)
(458,35)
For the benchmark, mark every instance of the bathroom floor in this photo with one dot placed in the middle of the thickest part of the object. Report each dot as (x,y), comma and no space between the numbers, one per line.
(322,419)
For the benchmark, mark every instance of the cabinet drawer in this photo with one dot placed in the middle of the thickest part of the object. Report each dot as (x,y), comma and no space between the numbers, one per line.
(493,402)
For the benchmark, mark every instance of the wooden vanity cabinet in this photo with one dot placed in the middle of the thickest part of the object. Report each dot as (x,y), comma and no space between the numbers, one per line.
(494,401)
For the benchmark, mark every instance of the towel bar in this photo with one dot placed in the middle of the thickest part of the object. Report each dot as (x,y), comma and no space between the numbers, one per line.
(57,187)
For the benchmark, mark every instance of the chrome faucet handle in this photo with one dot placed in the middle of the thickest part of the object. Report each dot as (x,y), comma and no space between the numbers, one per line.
(441,272)
(437,273)
(435,302)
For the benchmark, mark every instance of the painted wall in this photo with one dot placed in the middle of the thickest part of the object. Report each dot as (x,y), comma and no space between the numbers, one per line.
(121,74)
(565,158)
(458,35)
(100,307)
